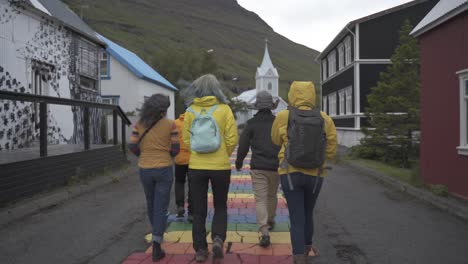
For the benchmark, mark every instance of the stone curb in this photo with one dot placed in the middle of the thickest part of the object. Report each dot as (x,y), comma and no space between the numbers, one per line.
(43,202)
(447,204)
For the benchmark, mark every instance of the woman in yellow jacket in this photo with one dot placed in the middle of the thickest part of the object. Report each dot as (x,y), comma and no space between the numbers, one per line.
(307,182)
(214,167)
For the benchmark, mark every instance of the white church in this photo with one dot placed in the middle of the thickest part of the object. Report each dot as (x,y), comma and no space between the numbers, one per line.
(266,79)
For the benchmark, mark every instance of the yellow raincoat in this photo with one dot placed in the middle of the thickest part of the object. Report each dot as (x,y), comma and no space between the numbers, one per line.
(218,160)
(184,155)
(302,96)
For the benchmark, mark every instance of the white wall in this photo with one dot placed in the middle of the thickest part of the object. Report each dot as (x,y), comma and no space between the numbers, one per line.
(132,89)
(349,138)
(262,84)
(25,37)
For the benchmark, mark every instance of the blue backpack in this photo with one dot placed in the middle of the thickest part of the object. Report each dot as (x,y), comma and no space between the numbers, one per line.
(204,133)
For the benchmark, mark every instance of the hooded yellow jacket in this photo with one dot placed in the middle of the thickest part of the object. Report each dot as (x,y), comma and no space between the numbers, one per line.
(184,155)
(302,96)
(218,160)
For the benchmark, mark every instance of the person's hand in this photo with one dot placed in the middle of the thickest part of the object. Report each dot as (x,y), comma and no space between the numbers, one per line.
(239,165)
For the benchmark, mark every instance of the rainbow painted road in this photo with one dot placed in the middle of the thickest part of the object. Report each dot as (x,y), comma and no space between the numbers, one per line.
(242,236)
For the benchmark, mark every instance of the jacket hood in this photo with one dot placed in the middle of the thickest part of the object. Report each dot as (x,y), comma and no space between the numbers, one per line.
(302,94)
(181,117)
(205,101)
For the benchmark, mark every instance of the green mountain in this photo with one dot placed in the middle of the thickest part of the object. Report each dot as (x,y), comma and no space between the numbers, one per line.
(237,36)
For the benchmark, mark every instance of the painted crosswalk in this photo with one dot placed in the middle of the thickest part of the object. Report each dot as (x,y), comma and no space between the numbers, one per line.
(242,236)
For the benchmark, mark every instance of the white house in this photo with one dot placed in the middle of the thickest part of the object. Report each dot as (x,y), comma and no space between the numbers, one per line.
(127,80)
(266,79)
(46,49)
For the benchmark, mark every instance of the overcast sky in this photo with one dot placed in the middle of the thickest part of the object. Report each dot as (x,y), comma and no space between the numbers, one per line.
(314,23)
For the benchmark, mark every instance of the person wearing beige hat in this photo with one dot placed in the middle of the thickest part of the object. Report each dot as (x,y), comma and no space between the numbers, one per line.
(264,163)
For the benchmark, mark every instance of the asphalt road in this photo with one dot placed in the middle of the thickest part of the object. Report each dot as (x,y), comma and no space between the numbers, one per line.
(358,220)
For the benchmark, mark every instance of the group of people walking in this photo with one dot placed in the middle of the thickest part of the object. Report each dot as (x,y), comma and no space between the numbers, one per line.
(290,149)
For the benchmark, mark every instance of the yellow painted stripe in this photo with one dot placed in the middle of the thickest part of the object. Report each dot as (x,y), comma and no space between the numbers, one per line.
(231,236)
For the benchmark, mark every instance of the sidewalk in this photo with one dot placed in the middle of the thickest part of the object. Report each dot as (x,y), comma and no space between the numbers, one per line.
(241,244)
(60,195)
(449,204)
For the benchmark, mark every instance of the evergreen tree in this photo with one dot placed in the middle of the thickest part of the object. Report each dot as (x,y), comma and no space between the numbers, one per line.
(393,111)
(209,64)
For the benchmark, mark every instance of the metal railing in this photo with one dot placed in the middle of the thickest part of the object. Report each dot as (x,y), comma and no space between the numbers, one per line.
(45,100)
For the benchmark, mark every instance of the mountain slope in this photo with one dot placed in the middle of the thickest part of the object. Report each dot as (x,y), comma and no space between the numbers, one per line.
(235,34)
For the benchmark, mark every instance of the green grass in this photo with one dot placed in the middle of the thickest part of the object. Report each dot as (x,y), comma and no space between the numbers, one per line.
(399,173)
(236,35)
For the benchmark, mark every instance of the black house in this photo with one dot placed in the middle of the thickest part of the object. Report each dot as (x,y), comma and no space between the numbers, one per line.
(352,62)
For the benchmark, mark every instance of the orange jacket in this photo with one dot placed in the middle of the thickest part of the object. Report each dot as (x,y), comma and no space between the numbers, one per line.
(184,155)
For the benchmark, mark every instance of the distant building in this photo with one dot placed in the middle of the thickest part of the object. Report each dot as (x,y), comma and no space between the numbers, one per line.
(266,79)
(127,80)
(443,36)
(46,49)
(351,64)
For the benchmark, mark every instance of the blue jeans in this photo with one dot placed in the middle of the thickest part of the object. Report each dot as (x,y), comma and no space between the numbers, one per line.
(301,202)
(157,184)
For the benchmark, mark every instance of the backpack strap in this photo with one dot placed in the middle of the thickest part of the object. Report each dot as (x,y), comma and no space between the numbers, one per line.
(192,111)
(212,109)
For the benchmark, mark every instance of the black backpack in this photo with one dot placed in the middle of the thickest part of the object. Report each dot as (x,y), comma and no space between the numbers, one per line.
(307,140)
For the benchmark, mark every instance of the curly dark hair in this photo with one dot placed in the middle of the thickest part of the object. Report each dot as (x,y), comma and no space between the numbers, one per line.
(154,109)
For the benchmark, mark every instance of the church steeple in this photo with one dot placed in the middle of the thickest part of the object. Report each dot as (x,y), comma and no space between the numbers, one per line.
(267,75)
(266,63)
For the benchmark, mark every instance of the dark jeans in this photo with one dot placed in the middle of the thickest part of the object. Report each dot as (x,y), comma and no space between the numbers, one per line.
(157,185)
(301,202)
(220,180)
(181,173)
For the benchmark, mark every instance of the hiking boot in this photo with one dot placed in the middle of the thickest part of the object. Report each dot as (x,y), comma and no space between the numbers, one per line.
(201,255)
(180,211)
(300,259)
(158,252)
(218,248)
(265,241)
(190,218)
(271,225)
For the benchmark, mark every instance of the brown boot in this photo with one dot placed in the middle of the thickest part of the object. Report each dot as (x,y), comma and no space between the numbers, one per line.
(300,259)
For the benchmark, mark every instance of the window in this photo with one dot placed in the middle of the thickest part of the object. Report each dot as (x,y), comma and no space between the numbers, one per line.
(270,86)
(324,70)
(463,148)
(88,56)
(332,104)
(88,83)
(40,77)
(341,56)
(104,64)
(332,63)
(341,95)
(349,100)
(114,100)
(347,47)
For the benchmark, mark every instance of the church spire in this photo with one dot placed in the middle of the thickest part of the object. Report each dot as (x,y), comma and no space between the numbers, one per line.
(266,63)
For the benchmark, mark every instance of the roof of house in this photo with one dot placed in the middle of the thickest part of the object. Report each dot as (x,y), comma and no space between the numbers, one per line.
(353,23)
(250,97)
(135,64)
(443,11)
(60,11)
